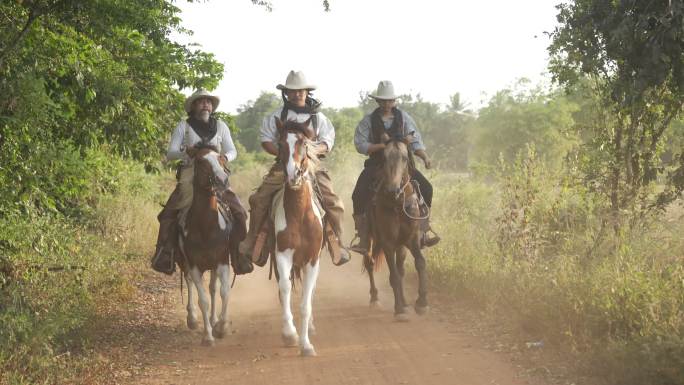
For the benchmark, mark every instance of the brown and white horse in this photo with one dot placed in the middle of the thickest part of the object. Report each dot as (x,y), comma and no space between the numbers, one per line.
(395,226)
(298,229)
(204,244)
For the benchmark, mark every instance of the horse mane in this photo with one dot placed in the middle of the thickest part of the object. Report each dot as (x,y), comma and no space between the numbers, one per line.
(207,146)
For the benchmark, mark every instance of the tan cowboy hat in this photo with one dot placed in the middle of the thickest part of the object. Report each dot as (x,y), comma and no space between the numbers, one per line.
(385,91)
(201,93)
(296,81)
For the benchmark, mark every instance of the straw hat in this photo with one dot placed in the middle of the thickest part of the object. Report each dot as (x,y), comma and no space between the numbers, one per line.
(296,81)
(385,91)
(201,93)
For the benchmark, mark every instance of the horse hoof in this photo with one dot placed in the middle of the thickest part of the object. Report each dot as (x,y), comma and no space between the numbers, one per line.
(308,352)
(219,330)
(192,323)
(208,342)
(401,317)
(291,340)
(375,304)
(422,310)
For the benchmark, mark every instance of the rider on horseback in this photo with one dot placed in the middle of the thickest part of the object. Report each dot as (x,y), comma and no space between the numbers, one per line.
(300,106)
(386,121)
(199,129)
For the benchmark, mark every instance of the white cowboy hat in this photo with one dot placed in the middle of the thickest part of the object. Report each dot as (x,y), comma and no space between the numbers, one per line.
(296,81)
(201,93)
(385,91)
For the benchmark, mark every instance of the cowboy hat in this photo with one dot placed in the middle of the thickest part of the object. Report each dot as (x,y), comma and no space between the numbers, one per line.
(385,91)
(296,81)
(201,93)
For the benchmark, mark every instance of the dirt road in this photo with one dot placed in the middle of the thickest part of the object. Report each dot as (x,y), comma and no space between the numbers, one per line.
(356,344)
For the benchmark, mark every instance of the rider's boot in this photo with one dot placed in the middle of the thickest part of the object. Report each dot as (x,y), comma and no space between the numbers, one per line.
(163,258)
(338,252)
(362,233)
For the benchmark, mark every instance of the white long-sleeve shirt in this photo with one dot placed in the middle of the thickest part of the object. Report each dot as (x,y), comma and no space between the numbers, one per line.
(184,136)
(324,130)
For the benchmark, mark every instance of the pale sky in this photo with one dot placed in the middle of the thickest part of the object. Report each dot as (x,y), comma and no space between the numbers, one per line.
(435,47)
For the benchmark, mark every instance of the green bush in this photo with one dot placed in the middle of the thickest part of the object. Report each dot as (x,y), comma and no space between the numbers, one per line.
(534,246)
(58,261)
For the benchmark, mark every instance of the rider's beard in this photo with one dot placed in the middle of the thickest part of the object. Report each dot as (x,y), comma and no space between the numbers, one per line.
(203,115)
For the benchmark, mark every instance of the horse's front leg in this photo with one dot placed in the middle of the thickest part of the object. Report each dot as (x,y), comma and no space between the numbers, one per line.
(212,293)
(421,305)
(208,339)
(369,265)
(401,257)
(308,286)
(284,264)
(223,272)
(395,282)
(192,316)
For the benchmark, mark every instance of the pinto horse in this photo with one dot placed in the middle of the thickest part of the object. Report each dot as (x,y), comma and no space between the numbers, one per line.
(298,229)
(205,243)
(395,227)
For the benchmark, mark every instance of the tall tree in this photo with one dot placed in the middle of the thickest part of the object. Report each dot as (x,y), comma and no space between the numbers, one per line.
(632,52)
(250,118)
(81,73)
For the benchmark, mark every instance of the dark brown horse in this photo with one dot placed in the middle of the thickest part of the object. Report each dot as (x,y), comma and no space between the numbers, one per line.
(206,243)
(395,227)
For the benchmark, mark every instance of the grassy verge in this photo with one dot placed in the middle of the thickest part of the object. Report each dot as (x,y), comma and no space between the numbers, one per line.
(58,271)
(538,253)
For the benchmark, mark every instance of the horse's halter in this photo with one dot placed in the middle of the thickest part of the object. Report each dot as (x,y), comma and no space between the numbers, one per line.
(294,146)
(400,194)
(218,177)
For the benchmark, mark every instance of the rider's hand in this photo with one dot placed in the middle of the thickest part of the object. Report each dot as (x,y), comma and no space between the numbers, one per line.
(427,162)
(191,151)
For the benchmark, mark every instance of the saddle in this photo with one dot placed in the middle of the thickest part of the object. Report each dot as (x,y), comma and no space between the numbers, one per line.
(264,245)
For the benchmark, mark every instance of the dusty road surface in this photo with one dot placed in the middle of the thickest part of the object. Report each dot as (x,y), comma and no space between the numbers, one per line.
(356,344)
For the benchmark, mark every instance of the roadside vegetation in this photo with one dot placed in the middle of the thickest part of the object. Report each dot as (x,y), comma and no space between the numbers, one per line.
(559,205)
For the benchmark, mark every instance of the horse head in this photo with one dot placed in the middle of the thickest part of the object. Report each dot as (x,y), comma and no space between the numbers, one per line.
(396,164)
(296,150)
(210,173)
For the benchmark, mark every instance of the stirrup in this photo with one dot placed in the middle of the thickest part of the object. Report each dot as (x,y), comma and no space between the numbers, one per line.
(357,248)
(428,241)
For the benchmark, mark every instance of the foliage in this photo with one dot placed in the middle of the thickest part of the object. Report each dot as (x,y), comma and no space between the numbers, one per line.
(525,248)
(95,71)
(56,271)
(520,116)
(251,116)
(631,52)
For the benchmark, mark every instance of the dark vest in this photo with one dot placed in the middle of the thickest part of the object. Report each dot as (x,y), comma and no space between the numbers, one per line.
(378,128)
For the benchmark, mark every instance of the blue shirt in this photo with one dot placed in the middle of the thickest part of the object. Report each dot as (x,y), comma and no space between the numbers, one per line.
(362,135)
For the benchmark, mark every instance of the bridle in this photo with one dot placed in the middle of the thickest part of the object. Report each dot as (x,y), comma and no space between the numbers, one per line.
(402,190)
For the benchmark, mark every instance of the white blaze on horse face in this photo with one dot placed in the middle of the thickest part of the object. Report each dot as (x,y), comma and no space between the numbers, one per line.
(213,159)
(290,166)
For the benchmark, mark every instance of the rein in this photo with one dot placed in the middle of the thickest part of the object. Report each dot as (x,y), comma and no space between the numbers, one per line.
(416,186)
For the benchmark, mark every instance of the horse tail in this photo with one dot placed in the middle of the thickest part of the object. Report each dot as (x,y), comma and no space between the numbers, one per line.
(295,275)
